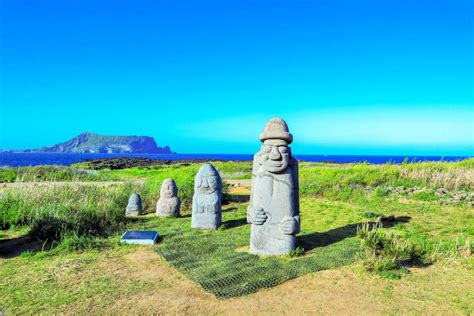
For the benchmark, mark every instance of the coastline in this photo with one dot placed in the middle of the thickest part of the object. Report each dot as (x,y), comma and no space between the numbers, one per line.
(15,159)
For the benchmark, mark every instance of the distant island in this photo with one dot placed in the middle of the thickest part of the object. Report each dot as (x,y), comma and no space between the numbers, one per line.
(103,144)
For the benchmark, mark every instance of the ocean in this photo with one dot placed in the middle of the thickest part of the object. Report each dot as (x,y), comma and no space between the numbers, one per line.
(34,159)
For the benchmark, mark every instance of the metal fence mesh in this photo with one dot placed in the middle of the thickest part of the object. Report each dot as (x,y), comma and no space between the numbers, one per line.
(218,260)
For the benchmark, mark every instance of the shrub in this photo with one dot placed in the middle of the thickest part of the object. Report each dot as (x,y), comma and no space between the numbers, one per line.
(54,212)
(381,191)
(382,251)
(297,252)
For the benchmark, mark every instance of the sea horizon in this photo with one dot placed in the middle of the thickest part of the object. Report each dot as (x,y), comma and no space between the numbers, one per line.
(22,159)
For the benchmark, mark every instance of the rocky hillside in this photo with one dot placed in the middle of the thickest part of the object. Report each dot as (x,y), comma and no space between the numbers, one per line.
(95,143)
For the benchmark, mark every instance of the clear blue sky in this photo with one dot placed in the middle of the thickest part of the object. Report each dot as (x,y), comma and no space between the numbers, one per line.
(349,77)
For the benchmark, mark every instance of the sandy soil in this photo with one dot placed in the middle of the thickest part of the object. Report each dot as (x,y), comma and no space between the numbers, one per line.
(331,292)
(239,183)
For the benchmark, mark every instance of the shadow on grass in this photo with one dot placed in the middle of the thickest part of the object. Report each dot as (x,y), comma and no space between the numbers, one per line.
(315,240)
(13,247)
(239,198)
(234,223)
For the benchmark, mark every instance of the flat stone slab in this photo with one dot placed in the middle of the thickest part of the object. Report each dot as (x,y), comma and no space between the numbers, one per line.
(139,237)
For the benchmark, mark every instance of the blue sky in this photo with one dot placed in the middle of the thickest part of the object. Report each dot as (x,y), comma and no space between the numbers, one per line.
(349,77)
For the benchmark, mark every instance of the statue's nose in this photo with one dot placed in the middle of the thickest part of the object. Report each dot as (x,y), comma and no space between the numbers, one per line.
(274,154)
(205,184)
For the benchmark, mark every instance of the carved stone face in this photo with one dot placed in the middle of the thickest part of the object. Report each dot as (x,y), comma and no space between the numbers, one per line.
(168,189)
(207,180)
(206,184)
(275,155)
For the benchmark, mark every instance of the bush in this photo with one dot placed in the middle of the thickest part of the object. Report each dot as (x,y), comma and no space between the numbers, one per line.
(382,251)
(381,191)
(297,252)
(54,212)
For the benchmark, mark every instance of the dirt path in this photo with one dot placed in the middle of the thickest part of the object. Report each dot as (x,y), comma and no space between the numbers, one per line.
(331,292)
(327,292)
(21,185)
(239,183)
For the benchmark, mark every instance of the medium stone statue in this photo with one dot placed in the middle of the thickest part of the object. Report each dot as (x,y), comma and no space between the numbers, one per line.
(169,202)
(207,212)
(274,201)
(134,206)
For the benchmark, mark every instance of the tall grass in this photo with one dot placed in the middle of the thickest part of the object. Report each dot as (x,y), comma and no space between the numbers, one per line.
(388,254)
(435,177)
(48,173)
(352,181)
(53,212)
(383,251)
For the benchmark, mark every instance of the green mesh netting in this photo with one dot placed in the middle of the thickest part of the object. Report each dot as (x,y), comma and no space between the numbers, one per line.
(217,260)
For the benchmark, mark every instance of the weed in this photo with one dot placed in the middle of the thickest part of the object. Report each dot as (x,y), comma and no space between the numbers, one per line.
(382,251)
(370,214)
(297,252)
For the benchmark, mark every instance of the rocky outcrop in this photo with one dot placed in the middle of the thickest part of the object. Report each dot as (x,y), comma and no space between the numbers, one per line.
(95,143)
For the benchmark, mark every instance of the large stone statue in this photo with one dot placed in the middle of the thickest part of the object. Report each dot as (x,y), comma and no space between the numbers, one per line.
(169,202)
(274,201)
(207,212)
(134,206)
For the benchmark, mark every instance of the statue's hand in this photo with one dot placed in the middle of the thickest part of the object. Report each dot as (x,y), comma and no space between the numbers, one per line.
(288,225)
(257,215)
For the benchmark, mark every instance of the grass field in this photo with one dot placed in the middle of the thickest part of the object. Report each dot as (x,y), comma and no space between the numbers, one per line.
(82,269)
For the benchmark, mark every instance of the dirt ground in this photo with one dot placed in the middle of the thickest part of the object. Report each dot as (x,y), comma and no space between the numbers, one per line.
(332,292)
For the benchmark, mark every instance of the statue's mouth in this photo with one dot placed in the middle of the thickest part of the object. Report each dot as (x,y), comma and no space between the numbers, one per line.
(271,163)
(206,190)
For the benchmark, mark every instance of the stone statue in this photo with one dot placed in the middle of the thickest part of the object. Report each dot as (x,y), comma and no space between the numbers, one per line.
(169,203)
(207,212)
(134,206)
(274,201)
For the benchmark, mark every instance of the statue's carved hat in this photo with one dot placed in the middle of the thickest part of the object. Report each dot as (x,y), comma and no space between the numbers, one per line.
(276,128)
(170,182)
(207,170)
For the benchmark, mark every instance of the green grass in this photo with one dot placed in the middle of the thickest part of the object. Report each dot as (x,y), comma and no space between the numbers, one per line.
(76,279)
(49,173)
(346,182)
(52,212)
(335,200)
(40,284)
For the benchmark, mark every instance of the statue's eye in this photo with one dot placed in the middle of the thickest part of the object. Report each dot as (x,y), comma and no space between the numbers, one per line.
(283,149)
(267,149)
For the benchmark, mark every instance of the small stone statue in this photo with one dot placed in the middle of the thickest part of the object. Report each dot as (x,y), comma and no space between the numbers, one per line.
(134,206)
(169,202)
(274,201)
(207,212)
